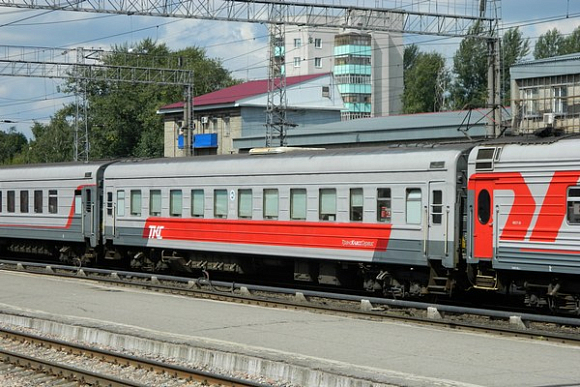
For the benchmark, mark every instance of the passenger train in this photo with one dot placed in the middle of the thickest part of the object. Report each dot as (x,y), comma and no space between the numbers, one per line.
(406,221)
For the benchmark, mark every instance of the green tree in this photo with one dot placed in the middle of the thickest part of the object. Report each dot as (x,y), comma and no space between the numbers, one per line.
(513,49)
(469,88)
(53,141)
(550,44)
(422,92)
(571,43)
(12,143)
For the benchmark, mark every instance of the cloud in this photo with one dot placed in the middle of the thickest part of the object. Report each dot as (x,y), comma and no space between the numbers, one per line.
(242,47)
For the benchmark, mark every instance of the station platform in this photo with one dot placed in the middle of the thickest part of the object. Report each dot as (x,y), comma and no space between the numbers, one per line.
(301,348)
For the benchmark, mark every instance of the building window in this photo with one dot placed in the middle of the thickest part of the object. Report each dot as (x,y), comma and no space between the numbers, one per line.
(327,204)
(318,63)
(136,202)
(270,203)
(120,203)
(325,91)
(298,204)
(175,202)
(297,43)
(317,43)
(356,204)
(530,102)
(413,206)
(245,203)
(384,205)
(297,61)
(53,201)
(559,102)
(155,202)
(197,203)
(38,202)
(220,203)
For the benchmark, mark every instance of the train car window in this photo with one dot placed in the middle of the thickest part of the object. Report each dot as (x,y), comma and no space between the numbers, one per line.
(11,201)
(23,201)
(53,201)
(0,201)
(38,202)
(356,204)
(327,204)
(136,202)
(384,205)
(78,202)
(197,203)
(413,206)
(573,213)
(175,202)
(485,159)
(437,207)
(298,204)
(245,203)
(121,203)
(483,206)
(220,203)
(270,203)
(89,202)
(155,202)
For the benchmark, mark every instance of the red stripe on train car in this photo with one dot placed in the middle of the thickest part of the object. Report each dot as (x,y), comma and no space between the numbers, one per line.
(358,236)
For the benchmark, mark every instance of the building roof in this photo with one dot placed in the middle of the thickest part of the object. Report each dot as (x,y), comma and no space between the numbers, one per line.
(547,67)
(424,127)
(230,95)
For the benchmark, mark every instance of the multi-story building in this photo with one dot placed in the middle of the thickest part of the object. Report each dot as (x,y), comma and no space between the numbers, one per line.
(545,93)
(367,66)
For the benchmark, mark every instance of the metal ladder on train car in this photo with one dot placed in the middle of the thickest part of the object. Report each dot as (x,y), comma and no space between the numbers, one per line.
(438,284)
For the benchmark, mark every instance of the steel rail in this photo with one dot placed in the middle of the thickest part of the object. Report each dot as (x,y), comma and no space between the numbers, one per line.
(66,371)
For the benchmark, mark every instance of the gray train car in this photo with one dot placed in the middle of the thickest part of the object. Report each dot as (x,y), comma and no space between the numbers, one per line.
(379,211)
(524,212)
(51,208)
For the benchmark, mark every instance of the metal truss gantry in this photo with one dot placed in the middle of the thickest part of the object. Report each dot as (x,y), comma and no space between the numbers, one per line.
(82,64)
(450,18)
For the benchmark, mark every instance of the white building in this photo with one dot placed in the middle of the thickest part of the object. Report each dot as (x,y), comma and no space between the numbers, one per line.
(368,66)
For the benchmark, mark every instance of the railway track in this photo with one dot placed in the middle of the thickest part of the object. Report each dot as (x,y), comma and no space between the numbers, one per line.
(500,322)
(50,362)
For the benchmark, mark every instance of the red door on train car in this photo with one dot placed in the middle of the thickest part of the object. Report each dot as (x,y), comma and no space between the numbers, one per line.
(482,217)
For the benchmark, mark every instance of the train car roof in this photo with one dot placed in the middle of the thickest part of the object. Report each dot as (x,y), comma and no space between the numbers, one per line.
(401,158)
(534,150)
(55,171)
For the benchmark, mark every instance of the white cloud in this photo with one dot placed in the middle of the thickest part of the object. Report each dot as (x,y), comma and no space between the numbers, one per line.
(242,47)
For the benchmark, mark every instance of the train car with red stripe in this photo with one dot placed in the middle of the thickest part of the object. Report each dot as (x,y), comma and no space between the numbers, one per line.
(498,216)
(389,218)
(52,209)
(524,216)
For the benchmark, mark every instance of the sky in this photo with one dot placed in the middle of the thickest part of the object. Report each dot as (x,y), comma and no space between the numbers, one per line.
(242,47)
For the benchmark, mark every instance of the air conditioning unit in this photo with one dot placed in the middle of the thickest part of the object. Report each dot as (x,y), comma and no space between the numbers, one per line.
(549,119)
(204,120)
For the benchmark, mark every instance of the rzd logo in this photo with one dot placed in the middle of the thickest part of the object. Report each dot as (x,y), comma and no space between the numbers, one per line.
(155,232)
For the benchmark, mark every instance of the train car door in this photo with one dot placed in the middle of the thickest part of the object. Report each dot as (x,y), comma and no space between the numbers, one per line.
(482,219)
(437,222)
(88,212)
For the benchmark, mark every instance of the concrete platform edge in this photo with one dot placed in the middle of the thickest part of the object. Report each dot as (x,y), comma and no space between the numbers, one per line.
(230,357)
